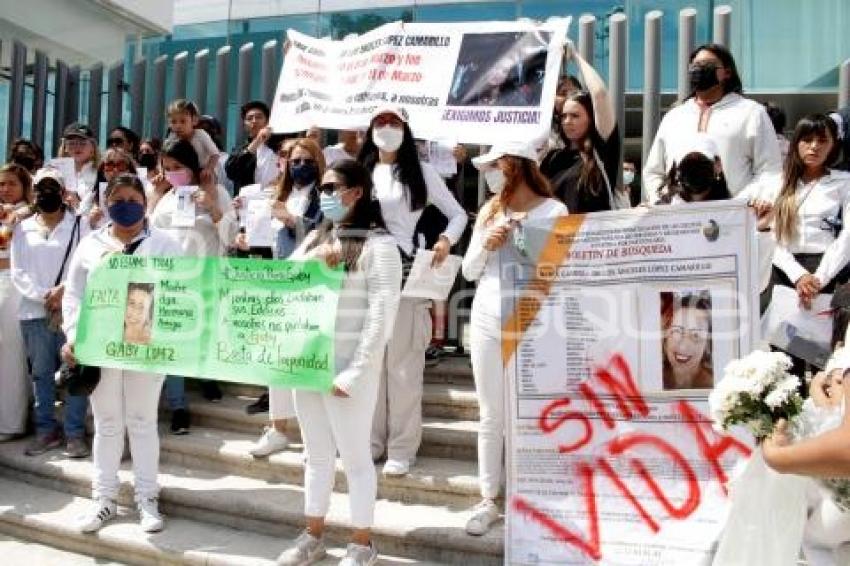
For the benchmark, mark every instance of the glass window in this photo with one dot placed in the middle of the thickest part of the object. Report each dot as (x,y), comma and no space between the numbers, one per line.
(467,12)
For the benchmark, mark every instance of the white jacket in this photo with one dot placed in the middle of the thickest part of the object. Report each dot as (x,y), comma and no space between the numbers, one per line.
(739,126)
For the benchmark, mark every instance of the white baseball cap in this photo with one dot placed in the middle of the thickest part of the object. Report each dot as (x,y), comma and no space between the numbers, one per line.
(700,143)
(48,173)
(399,113)
(517,149)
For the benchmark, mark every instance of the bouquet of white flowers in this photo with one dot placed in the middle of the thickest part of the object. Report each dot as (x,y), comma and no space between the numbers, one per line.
(756,391)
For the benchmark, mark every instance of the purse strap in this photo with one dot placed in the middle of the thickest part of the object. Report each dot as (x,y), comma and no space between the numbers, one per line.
(75,231)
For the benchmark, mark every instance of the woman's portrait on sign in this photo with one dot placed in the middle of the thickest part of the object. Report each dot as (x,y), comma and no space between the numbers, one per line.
(138,314)
(686,340)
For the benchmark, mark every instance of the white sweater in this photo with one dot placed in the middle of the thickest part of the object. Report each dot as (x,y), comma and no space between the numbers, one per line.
(93,249)
(745,138)
(368,301)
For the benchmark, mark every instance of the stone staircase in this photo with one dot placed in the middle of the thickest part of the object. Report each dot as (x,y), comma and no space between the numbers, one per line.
(225,507)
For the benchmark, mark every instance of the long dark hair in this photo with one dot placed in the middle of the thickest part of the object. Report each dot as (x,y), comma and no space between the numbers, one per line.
(792,171)
(702,176)
(733,83)
(182,152)
(590,178)
(407,168)
(363,218)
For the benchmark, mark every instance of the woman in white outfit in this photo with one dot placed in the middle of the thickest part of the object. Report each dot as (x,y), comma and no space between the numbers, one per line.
(15,198)
(521,194)
(296,207)
(123,399)
(403,187)
(341,419)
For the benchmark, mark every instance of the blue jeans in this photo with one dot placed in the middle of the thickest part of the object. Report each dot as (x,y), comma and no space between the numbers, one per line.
(175,392)
(42,346)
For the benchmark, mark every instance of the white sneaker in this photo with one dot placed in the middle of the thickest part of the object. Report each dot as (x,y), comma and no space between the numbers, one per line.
(272,441)
(105,510)
(359,555)
(483,516)
(306,549)
(149,518)
(397,467)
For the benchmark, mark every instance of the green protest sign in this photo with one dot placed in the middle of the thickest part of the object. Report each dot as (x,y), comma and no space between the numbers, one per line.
(245,320)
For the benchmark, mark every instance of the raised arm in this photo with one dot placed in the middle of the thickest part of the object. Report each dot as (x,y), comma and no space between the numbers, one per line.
(602,107)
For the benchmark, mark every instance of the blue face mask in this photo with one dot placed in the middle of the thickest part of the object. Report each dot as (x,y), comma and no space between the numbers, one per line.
(304,173)
(332,207)
(127,212)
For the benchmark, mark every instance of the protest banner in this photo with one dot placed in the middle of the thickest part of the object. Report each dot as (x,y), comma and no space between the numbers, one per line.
(477,82)
(246,320)
(613,334)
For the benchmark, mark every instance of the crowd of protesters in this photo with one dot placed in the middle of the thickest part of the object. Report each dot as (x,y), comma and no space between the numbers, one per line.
(369,202)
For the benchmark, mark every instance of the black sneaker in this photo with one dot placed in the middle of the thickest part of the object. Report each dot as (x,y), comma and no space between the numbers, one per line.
(180,421)
(211,391)
(433,355)
(261,405)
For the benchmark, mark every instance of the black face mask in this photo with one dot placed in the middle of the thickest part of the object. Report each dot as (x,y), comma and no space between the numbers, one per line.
(147,160)
(48,201)
(703,76)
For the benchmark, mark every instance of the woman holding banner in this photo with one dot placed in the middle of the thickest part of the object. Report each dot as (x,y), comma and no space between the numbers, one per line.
(123,400)
(354,236)
(403,186)
(584,172)
(200,216)
(521,193)
(296,207)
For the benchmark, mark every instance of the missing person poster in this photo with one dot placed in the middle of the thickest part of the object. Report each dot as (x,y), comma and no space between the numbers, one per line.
(245,320)
(481,82)
(615,328)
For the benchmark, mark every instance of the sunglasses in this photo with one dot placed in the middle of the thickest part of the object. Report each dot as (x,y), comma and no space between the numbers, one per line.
(76,142)
(115,141)
(112,165)
(331,188)
(386,120)
(303,161)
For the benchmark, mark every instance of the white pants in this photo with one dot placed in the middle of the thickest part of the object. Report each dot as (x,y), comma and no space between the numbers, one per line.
(126,400)
(328,424)
(15,385)
(488,372)
(397,426)
(281,403)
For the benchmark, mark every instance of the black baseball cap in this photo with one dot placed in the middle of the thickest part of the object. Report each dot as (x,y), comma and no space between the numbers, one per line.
(78,130)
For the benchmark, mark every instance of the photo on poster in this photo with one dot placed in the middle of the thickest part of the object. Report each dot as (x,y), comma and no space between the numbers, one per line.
(500,69)
(138,313)
(686,339)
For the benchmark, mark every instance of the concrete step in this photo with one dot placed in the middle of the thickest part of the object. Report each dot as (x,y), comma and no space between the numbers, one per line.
(48,516)
(441,437)
(442,400)
(432,481)
(422,532)
(19,551)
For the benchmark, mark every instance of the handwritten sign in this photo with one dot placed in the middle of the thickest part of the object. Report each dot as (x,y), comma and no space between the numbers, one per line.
(245,320)
(614,327)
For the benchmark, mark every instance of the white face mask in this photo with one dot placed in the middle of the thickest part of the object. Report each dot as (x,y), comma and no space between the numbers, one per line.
(628,177)
(495,178)
(388,138)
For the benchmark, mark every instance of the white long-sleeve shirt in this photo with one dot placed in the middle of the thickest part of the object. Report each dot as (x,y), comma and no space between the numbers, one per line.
(266,172)
(395,206)
(745,138)
(482,265)
(93,249)
(205,238)
(825,199)
(36,258)
(368,301)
